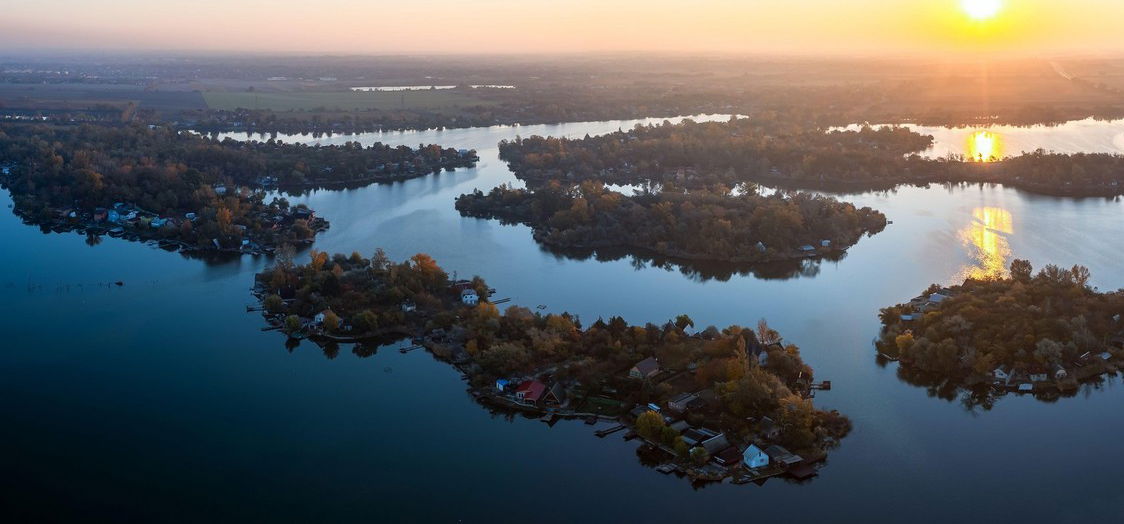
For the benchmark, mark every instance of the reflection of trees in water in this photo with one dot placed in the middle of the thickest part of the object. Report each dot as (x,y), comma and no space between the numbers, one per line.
(983,397)
(702,271)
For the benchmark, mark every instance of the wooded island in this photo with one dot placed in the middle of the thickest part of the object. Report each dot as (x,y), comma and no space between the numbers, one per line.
(1038,333)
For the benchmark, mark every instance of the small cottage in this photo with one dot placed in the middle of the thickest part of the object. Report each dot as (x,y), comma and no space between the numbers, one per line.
(646,368)
(530,392)
(754,457)
(469,297)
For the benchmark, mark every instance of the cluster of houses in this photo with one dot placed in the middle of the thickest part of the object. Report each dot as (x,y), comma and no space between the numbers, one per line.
(758,459)
(1035,377)
(921,304)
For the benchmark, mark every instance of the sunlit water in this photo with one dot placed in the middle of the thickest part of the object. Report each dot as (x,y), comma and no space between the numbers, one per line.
(162,400)
(1077,136)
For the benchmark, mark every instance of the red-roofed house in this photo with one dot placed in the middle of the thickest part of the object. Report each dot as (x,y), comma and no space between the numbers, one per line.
(530,392)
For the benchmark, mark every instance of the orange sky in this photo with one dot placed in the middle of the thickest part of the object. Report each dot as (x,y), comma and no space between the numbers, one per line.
(885,27)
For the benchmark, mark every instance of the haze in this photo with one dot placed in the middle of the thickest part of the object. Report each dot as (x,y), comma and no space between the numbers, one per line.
(883,27)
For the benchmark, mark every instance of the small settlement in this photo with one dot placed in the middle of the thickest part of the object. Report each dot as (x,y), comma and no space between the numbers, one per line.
(714,404)
(265,229)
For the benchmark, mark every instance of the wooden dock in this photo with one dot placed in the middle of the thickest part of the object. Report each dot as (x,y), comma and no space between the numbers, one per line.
(602,433)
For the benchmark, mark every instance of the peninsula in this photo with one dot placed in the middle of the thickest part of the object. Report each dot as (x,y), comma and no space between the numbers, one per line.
(713,404)
(187,191)
(762,150)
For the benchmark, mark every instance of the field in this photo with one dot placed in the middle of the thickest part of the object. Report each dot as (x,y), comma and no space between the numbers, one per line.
(340,100)
(88,96)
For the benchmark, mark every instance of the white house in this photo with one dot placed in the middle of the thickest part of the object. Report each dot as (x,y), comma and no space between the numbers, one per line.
(754,457)
(469,297)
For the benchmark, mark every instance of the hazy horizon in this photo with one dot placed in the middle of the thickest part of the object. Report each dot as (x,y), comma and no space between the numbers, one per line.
(766,27)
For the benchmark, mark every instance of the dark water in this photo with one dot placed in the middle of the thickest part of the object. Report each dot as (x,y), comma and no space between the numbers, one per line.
(162,400)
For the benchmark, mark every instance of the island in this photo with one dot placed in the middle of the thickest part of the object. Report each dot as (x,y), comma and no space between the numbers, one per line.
(1041,334)
(702,224)
(711,404)
(187,191)
(796,155)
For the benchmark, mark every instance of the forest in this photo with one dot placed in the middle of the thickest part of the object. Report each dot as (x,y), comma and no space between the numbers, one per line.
(751,372)
(1051,323)
(692,225)
(788,154)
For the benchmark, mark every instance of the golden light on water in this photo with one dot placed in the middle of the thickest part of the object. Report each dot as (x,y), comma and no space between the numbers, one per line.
(986,240)
(981,10)
(984,146)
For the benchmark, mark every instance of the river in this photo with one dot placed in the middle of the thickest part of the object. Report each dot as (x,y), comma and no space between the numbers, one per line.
(161,399)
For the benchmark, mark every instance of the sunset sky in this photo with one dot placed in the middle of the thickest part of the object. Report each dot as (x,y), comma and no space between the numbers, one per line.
(885,27)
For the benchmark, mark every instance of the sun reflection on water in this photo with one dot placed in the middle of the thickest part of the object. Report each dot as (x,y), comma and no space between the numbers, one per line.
(986,238)
(984,146)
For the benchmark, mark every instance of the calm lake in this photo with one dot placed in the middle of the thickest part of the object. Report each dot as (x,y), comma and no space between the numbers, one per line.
(162,399)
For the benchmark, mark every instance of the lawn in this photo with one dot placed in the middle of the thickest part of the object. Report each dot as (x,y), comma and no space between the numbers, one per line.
(340,100)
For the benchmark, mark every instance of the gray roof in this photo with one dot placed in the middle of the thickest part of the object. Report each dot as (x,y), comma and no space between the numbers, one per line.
(647,366)
(716,443)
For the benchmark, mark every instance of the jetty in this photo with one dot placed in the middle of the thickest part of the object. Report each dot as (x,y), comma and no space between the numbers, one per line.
(602,433)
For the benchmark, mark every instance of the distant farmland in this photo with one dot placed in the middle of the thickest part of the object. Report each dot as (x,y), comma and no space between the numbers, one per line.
(340,100)
(88,96)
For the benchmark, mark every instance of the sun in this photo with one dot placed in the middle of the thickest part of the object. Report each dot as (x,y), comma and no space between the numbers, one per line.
(981,10)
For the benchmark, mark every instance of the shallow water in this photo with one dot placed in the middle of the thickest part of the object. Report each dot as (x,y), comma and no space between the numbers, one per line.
(161,399)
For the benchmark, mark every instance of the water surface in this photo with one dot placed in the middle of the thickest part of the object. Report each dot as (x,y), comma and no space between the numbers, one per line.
(161,399)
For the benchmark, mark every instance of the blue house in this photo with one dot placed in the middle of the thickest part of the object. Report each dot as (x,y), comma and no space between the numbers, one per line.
(754,457)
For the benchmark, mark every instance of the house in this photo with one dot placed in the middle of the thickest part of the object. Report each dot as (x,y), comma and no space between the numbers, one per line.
(191,216)
(644,369)
(754,457)
(728,457)
(781,455)
(910,317)
(469,297)
(319,318)
(695,436)
(501,384)
(825,243)
(680,426)
(769,429)
(556,395)
(220,189)
(409,306)
(715,444)
(530,392)
(1060,372)
(158,223)
(937,298)
(807,248)
(1001,374)
(680,402)
(1038,374)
